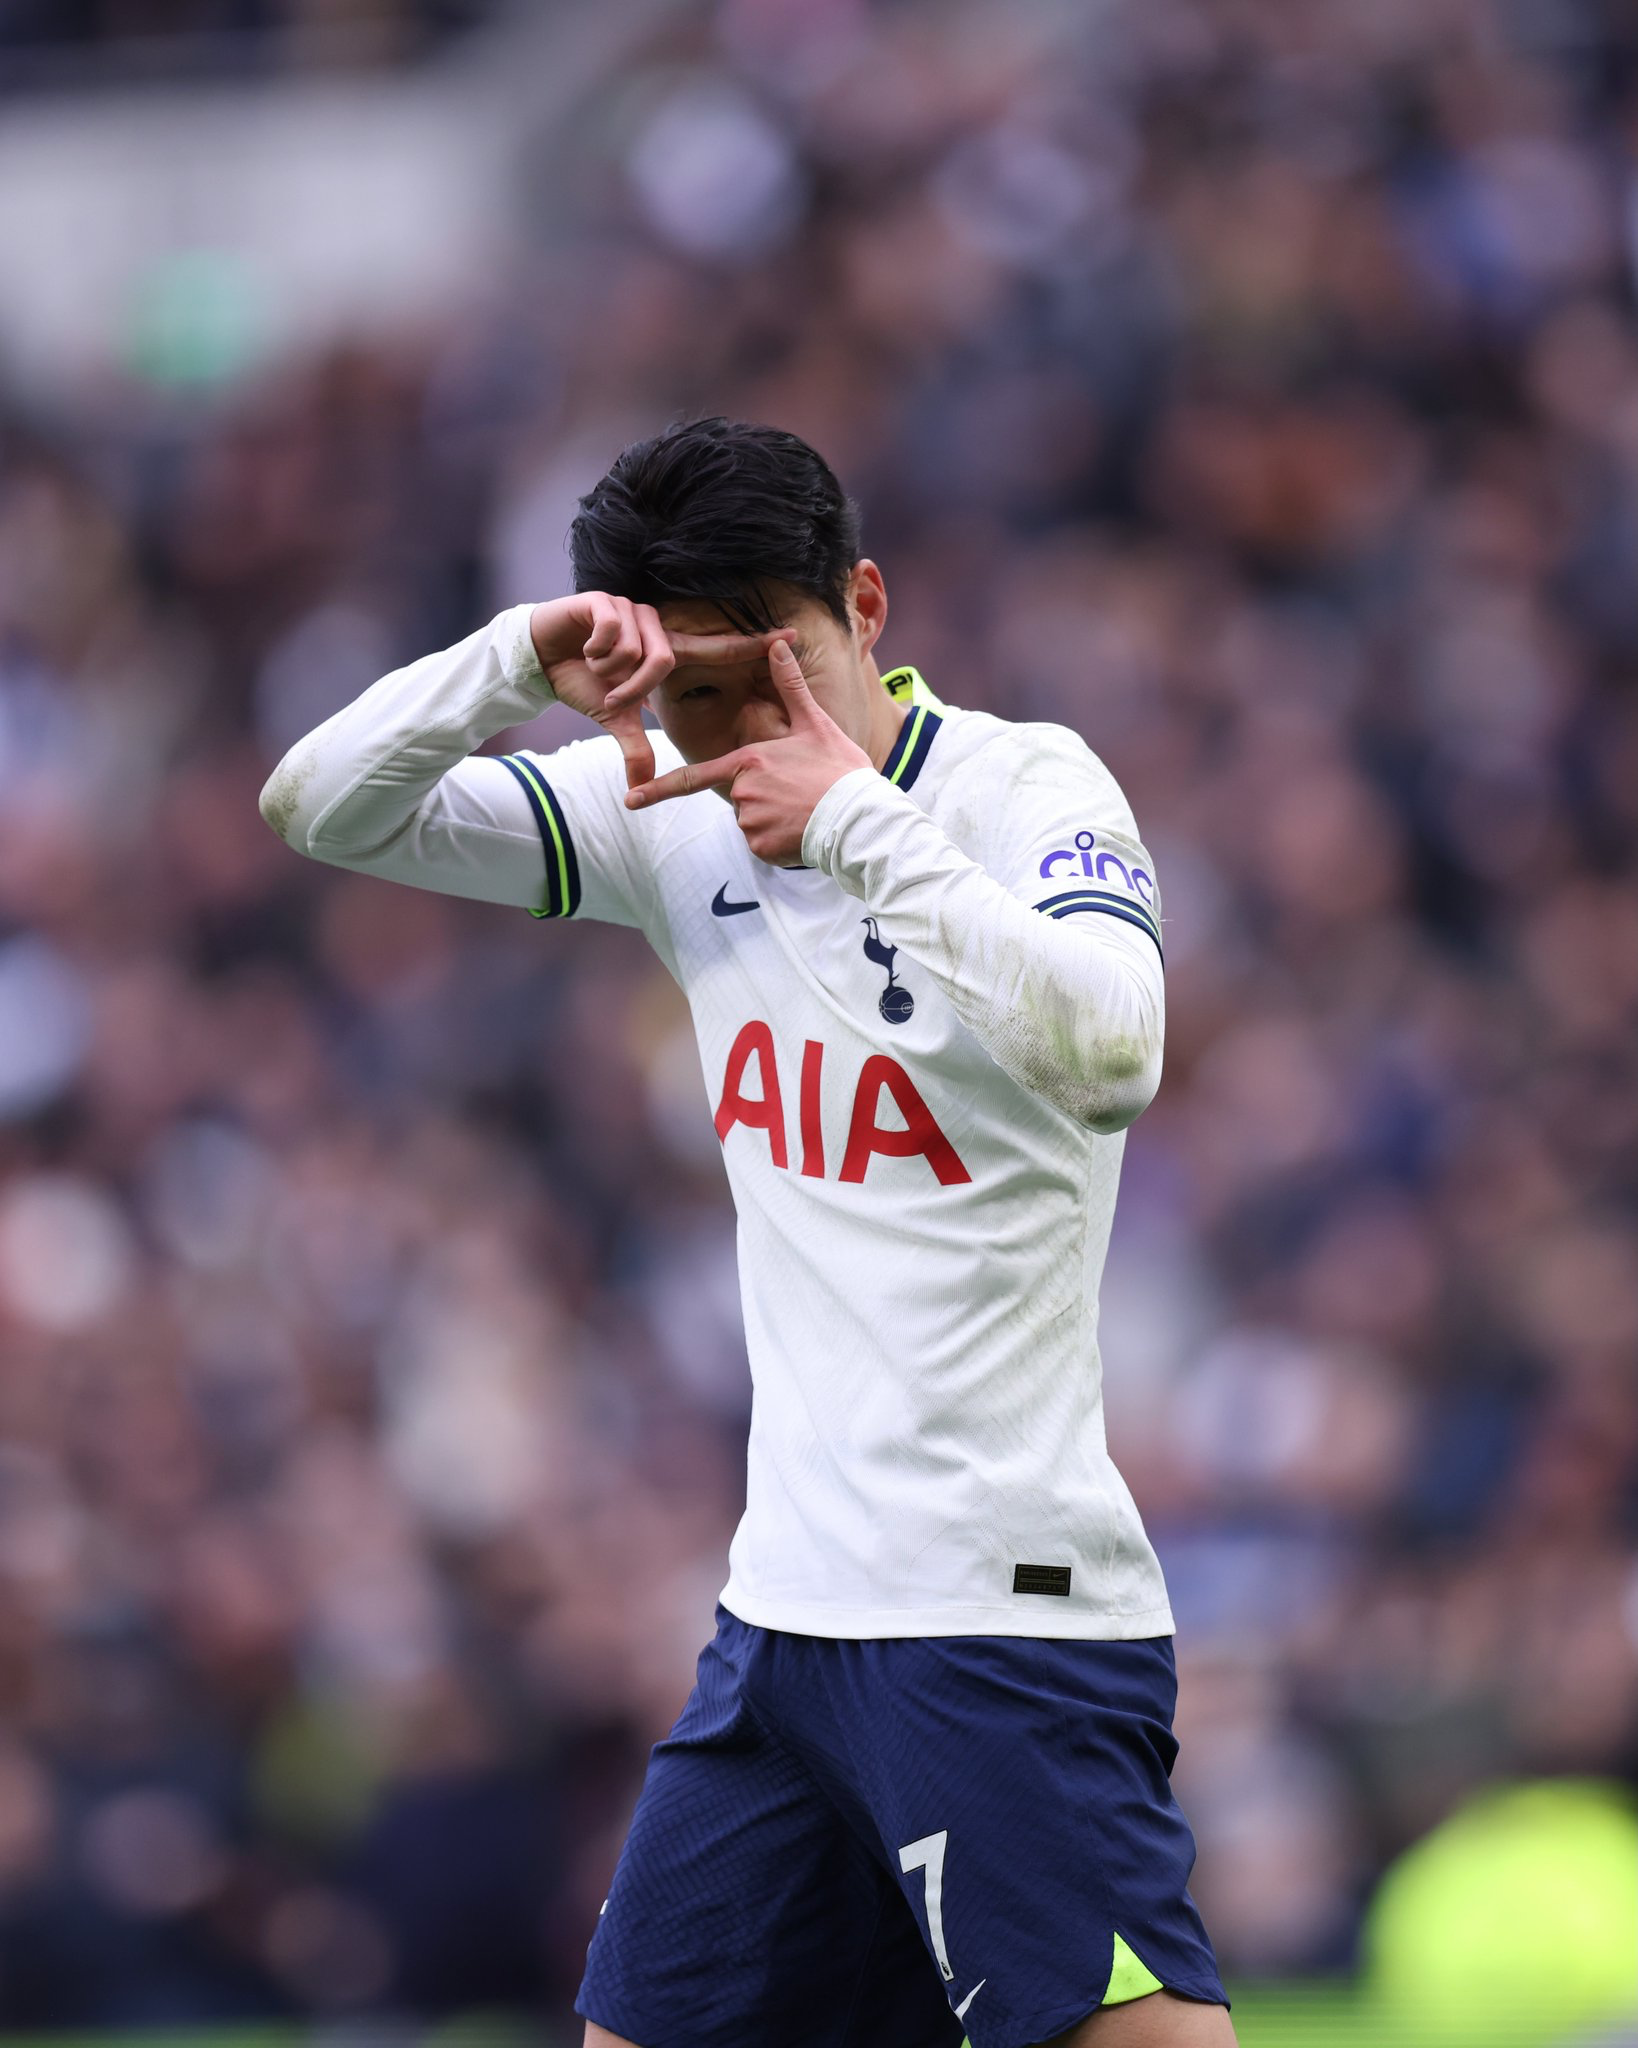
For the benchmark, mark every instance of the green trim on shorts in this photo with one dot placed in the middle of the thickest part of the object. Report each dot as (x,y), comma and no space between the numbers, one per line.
(1130,1978)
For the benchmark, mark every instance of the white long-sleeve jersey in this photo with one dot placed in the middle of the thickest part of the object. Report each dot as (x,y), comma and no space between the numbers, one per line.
(922,1048)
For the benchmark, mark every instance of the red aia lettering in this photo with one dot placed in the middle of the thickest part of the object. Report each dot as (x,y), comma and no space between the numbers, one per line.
(920,1137)
(813,1131)
(765,1112)
(921,1133)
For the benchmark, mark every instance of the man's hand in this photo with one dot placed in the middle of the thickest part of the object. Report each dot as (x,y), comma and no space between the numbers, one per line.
(774,785)
(603,655)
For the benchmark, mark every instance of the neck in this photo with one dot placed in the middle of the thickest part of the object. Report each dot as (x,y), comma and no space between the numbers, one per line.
(884,716)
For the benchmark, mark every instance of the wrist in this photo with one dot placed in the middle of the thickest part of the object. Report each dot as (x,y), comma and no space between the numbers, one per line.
(545,620)
(519,648)
(821,837)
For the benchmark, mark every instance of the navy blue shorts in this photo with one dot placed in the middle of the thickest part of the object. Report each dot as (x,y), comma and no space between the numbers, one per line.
(891,1843)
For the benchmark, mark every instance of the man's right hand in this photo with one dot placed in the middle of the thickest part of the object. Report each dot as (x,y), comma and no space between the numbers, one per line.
(591,645)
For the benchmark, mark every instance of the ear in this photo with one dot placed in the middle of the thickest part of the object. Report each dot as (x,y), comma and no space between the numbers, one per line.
(867,603)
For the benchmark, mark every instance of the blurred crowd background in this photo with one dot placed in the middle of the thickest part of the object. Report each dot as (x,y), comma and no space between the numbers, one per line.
(1251,385)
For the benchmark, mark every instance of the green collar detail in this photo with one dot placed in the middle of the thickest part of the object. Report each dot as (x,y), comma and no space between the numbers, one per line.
(905,686)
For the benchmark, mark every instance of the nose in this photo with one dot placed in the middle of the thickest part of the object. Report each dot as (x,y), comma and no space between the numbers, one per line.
(762,714)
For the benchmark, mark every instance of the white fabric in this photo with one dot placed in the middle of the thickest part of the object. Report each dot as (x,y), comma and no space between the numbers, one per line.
(1074,1011)
(920,1306)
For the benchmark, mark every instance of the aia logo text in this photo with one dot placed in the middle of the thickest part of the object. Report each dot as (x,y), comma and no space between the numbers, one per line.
(921,1137)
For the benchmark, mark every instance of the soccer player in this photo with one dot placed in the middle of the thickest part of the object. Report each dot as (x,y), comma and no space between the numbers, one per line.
(921,1786)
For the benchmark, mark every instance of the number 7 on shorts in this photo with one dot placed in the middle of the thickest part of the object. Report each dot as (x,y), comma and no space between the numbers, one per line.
(928,1855)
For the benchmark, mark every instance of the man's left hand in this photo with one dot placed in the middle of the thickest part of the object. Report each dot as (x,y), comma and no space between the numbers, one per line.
(774,784)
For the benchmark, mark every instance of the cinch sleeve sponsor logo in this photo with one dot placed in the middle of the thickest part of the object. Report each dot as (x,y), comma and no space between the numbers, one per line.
(1100,867)
(1104,885)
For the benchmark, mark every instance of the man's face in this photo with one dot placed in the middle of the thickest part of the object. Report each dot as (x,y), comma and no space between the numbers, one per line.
(707,712)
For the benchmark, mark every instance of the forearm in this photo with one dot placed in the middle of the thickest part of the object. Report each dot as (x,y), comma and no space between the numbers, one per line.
(386,785)
(1073,1009)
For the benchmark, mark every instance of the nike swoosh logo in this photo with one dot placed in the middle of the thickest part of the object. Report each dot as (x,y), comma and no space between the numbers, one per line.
(961,2009)
(721,907)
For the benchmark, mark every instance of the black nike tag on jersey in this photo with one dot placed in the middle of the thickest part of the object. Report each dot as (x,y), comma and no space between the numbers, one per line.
(1040,1578)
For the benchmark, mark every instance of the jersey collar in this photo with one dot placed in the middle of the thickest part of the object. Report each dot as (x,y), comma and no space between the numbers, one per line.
(910,749)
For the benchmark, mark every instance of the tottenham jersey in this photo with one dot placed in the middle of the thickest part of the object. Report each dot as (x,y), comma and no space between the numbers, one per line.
(921,1236)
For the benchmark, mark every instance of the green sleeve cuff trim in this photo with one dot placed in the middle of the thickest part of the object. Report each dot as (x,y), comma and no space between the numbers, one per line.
(562,868)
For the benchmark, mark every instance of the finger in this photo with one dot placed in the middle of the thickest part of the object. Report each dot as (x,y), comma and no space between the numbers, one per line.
(790,682)
(656,664)
(637,752)
(695,650)
(690,778)
(617,664)
(605,628)
(628,656)
(635,746)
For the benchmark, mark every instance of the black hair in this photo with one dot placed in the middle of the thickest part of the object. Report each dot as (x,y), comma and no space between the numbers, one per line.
(717,510)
